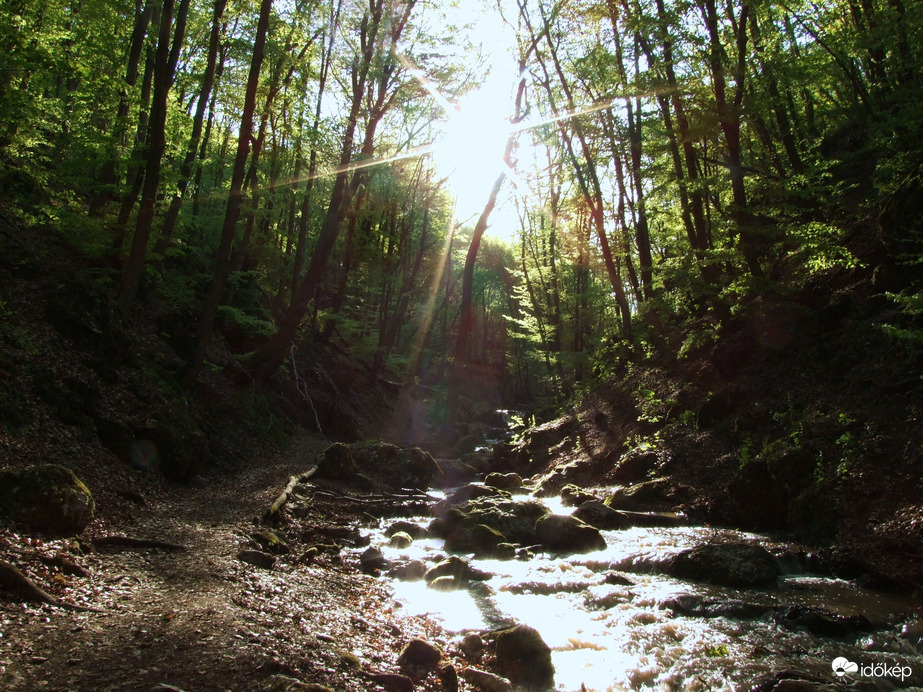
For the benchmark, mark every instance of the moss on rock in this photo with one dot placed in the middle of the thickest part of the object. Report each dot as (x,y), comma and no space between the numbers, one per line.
(48,498)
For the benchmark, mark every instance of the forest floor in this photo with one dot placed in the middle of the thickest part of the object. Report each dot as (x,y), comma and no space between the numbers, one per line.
(199,618)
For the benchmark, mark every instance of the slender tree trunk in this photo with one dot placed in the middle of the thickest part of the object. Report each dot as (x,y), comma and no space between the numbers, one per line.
(466,309)
(208,81)
(167,57)
(267,359)
(235,198)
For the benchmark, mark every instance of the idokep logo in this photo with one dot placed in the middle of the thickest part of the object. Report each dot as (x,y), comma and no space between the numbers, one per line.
(843,666)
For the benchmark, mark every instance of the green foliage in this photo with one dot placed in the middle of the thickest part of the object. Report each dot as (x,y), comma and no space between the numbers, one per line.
(909,331)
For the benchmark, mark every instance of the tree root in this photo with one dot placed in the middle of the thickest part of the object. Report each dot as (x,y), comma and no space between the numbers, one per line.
(17,582)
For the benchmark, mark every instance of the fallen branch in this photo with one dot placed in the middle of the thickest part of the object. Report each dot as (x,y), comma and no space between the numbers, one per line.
(138,543)
(273,512)
(17,582)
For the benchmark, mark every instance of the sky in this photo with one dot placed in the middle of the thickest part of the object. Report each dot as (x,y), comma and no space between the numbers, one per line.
(473,139)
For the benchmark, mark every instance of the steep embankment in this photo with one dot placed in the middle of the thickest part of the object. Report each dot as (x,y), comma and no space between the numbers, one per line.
(800,415)
(98,393)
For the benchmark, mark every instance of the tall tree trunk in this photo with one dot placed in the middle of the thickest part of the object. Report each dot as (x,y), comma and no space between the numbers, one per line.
(167,57)
(267,359)
(208,81)
(235,198)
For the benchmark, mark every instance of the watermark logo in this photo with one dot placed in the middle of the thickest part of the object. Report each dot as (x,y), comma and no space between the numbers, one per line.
(843,666)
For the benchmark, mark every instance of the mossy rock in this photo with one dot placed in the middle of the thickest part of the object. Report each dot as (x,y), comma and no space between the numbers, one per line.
(48,498)
(336,462)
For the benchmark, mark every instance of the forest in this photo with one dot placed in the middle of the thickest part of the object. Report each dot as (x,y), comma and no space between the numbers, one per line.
(274,171)
(593,242)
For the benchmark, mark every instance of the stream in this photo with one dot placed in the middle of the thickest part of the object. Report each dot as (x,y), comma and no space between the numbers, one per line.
(615,621)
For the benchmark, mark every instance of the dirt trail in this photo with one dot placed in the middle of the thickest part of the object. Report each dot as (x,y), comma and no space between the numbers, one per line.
(200,619)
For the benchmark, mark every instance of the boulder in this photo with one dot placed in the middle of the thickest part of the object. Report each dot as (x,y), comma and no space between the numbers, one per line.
(600,516)
(48,498)
(419,652)
(504,481)
(525,658)
(446,584)
(457,568)
(574,496)
(372,560)
(484,681)
(726,564)
(515,520)
(415,531)
(472,646)
(658,495)
(392,682)
(567,534)
(473,491)
(336,462)
(400,539)
(478,539)
(409,571)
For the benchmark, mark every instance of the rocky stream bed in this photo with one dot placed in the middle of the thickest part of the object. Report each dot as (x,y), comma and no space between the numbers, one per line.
(341,568)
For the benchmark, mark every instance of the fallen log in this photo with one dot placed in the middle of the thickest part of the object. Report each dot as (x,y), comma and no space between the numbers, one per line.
(275,508)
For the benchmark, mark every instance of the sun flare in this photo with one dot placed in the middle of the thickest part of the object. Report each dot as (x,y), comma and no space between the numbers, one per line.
(469,147)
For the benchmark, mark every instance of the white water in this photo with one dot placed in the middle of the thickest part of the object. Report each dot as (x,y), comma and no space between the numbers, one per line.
(612,637)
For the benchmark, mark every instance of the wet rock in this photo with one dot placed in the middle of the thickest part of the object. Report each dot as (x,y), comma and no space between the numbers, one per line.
(449,677)
(419,652)
(692,605)
(257,558)
(504,481)
(400,539)
(655,519)
(446,584)
(472,646)
(415,531)
(574,496)
(567,534)
(479,539)
(824,623)
(454,473)
(409,571)
(525,658)
(372,560)
(597,514)
(515,520)
(486,682)
(726,564)
(47,498)
(473,491)
(163,687)
(658,495)
(457,568)
(269,542)
(396,466)
(505,551)
(392,682)
(618,579)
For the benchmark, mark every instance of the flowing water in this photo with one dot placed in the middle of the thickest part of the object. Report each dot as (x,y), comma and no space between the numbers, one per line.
(634,635)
